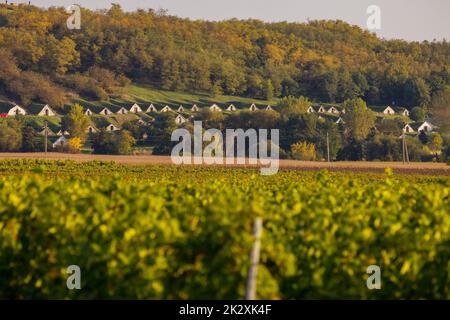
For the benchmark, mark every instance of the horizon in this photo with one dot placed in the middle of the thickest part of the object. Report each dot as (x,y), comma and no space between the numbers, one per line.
(414,20)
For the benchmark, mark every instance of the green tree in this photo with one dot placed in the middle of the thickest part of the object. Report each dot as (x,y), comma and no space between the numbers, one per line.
(358,118)
(417,114)
(76,122)
(10,135)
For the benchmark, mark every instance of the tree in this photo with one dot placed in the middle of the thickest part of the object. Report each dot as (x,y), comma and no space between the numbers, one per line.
(440,110)
(125,142)
(76,122)
(269,90)
(416,92)
(303,151)
(10,135)
(417,114)
(290,105)
(359,119)
(31,142)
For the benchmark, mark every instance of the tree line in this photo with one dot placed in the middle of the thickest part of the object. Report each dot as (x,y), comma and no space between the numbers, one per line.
(327,61)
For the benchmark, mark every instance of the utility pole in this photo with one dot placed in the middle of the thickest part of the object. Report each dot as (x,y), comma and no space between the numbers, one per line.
(406,149)
(328,148)
(46,134)
(250,292)
(405,153)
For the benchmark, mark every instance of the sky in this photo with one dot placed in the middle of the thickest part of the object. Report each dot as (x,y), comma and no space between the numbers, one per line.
(412,20)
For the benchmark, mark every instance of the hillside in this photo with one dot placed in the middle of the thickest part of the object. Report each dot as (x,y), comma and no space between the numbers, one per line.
(143,95)
(327,61)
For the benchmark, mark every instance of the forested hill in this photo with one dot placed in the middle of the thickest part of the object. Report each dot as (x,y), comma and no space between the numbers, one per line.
(328,61)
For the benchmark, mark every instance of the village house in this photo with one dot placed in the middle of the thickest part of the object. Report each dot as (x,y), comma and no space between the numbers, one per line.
(404,112)
(151,108)
(122,110)
(40,110)
(111,127)
(321,109)
(135,108)
(333,110)
(105,111)
(180,119)
(91,129)
(215,108)
(12,109)
(425,127)
(166,109)
(340,121)
(408,129)
(388,110)
(231,108)
(61,133)
(60,142)
(50,132)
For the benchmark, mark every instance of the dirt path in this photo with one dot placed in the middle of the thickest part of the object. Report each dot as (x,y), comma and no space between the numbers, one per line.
(360,166)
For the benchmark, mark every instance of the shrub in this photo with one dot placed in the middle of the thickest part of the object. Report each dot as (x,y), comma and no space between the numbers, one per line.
(303,151)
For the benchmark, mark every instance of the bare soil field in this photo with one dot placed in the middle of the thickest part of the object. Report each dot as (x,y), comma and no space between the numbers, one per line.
(357,166)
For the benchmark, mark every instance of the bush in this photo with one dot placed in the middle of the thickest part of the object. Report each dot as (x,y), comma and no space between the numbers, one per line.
(184,233)
(303,151)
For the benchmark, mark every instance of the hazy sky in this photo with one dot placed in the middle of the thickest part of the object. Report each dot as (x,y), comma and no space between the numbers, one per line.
(405,19)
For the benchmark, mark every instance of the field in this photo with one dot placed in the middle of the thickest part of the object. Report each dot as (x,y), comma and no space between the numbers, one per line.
(166,232)
(353,166)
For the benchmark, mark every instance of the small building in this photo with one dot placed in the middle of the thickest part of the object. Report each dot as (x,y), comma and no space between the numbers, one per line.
(111,127)
(231,108)
(408,129)
(333,110)
(388,110)
(180,119)
(91,129)
(340,121)
(142,122)
(122,110)
(311,110)
(215,108)
(50,132)
(62,133)
(253,107)
(404,112)
(425,127)
(39,110)
(151,108)
(60,142)
(135,108)
(194,108)
(106,112)
(166,109)
(12,109)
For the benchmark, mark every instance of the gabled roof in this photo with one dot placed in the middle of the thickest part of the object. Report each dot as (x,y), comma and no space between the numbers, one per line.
(6,106)
(36,108)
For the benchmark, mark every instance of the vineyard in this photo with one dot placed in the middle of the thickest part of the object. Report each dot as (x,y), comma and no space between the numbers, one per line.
(151,232)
